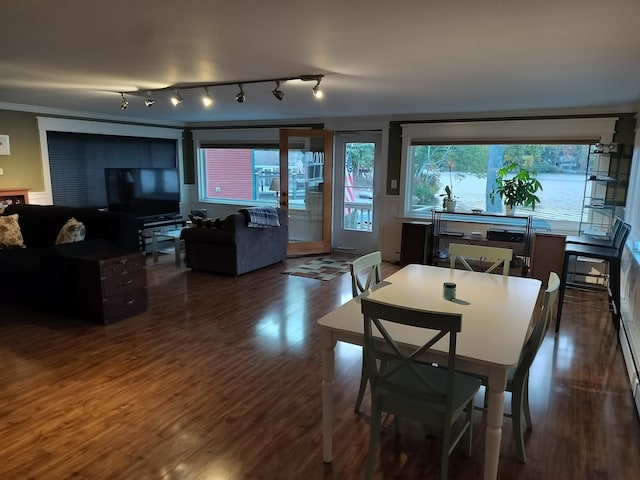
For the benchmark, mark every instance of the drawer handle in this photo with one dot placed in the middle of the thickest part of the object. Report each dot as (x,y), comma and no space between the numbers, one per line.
(128,303)
(124,283)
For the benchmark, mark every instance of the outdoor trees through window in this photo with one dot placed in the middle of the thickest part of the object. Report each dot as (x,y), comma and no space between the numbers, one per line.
(358,185)
(470,173)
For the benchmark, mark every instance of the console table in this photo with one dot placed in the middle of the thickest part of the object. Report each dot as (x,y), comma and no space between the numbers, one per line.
(147,227)
(173,235)
(490,229)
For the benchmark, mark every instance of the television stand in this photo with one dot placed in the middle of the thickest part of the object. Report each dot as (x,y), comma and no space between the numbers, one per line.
(146,227)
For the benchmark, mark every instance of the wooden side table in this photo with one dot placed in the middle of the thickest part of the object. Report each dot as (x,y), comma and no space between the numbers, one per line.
(110,286)
(15,196)
(417,243)
(547,256)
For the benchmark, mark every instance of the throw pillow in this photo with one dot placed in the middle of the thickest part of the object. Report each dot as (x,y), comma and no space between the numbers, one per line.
(72,231)
(10,234)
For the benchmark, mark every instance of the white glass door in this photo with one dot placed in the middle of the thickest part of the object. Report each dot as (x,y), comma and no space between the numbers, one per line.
(355,226)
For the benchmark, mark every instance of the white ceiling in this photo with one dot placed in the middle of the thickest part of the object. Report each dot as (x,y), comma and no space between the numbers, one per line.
(381,57)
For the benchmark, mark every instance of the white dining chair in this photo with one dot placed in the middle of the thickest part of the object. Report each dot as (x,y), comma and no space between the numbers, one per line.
(365,273)
(459,252)
(518,377)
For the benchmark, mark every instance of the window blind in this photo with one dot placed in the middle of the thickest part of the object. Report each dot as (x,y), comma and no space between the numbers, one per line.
(77,162)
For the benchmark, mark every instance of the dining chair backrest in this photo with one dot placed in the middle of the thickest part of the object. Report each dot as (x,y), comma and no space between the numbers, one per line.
(377,317)
(365,272)
(621,237)
(534,341)
(617,225)
(408,387)
(462,252)
(607,241)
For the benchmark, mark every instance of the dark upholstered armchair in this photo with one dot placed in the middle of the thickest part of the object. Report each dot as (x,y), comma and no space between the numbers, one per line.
(234,248)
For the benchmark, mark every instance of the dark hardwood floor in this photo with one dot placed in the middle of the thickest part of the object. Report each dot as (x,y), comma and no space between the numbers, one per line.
(220,379)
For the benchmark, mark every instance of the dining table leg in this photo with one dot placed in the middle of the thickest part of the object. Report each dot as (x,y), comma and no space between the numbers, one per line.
(497,382)
(328,344)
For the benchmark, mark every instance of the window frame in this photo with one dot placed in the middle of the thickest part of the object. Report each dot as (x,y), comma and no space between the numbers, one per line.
(569,130)
(248,138)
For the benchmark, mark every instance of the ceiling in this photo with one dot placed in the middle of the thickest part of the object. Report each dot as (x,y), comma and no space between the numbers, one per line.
(383,58)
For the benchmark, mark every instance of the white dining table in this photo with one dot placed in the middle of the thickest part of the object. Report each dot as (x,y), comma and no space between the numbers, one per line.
(496,314)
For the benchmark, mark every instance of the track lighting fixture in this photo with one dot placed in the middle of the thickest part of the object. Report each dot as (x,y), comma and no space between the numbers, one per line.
(279,94)
(149,100)
(316,90)
(240,98)
(207,101)
(176,99)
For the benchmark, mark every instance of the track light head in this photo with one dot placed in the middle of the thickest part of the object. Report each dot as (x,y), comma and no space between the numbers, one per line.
(149,100)
(125,103)
(240,98)
(279,94)
(176,99)
(207,101)
(316,90)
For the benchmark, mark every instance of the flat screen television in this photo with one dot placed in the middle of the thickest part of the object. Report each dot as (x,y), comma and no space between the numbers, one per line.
(143,192)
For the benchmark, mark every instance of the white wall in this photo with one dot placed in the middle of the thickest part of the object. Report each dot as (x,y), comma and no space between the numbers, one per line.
(630,277)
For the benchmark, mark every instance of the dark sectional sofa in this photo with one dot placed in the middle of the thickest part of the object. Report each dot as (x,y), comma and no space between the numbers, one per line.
(40,274)
(232,247)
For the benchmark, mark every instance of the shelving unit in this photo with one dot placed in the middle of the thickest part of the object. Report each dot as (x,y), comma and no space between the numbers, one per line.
(605,194)
(495,230)
(605,190)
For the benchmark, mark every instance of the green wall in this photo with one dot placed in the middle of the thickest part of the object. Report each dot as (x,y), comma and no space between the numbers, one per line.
(23,167)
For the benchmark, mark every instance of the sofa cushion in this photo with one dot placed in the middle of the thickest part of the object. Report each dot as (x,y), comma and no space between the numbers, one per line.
(10,234)
(72,231)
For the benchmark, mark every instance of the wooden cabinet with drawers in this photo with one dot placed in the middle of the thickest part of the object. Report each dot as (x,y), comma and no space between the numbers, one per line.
(110,286)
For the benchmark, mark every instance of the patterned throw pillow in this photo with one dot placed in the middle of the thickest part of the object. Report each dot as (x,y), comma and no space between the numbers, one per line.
(10,234)
(72,231)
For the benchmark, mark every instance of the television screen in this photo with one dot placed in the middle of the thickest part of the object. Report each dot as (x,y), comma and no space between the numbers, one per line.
(143,192)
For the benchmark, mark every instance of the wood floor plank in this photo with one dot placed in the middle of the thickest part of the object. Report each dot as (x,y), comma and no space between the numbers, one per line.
(220,379)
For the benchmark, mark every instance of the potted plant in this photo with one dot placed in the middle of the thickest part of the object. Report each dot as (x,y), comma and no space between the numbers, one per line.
(516,189)
(448,200)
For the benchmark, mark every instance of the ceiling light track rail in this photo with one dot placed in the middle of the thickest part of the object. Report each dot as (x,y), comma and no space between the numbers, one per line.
(207,99)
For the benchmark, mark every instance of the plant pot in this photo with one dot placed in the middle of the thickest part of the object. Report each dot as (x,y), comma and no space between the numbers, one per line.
(511,210)
(450,205)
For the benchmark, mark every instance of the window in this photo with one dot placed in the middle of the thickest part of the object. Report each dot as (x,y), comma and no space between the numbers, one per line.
(555,146)
(249,175)
(469,170)
(241,174)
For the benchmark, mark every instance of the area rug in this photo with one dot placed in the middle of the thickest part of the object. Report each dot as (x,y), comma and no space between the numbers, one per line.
(320,268)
